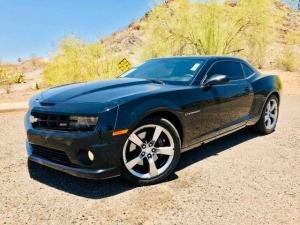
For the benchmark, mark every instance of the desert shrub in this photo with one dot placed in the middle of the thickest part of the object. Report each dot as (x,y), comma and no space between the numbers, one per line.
(10,75)
(80,62)
(36,86)
(293,37)
(7,77)
(289,59)
(290,54)
(262,29)
(19,78)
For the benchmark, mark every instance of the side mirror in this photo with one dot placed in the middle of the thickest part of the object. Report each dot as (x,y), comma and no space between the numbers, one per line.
(215,80)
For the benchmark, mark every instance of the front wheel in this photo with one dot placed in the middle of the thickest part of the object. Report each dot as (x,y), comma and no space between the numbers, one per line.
(151,152)
(269,116)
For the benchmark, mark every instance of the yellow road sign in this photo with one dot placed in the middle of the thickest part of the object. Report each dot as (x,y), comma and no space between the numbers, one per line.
(124,65)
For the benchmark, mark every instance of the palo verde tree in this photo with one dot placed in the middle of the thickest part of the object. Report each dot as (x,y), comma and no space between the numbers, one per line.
(77,61)
(183,27)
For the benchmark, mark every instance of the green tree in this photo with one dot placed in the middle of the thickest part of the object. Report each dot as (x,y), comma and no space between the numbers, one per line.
(185,27)
(80,62)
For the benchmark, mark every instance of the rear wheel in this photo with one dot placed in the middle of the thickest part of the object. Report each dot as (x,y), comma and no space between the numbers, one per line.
(151,152)
(269,116)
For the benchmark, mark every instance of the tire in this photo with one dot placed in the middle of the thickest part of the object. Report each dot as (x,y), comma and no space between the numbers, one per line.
(151,152)
(269,116)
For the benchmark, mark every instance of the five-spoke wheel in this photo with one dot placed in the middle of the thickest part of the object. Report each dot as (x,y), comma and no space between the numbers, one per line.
(268,120)
(151,151)
(271,114)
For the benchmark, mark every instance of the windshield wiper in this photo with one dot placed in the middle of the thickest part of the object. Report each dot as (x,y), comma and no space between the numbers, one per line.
(156,81)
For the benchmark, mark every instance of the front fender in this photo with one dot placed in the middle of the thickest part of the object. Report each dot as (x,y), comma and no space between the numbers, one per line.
(130,114)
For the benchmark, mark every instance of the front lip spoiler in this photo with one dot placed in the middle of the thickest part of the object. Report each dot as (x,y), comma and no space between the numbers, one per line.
(78,172)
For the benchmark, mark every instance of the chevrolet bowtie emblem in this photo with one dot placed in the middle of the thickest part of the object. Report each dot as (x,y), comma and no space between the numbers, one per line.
(33,119)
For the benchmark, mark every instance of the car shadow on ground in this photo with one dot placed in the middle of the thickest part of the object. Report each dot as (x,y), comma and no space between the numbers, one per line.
(97,189)
(215,147)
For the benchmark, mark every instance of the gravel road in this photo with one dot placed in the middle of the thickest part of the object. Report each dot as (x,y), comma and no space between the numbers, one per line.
(239,179)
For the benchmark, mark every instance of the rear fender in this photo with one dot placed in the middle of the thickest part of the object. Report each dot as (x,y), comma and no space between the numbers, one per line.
(263,87)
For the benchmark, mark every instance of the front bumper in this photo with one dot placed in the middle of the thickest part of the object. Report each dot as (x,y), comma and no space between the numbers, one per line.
(78,172)
(105,170)
(107,151)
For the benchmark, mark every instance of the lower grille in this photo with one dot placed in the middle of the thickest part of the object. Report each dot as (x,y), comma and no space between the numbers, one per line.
(53,155)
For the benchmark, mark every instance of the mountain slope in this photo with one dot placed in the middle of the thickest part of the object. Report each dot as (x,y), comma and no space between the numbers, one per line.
(129,41)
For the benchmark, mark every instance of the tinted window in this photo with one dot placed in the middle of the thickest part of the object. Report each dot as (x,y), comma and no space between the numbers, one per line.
(247,70)
(231,69)
(168,69)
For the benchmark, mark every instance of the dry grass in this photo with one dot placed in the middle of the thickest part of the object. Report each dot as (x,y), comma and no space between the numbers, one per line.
(289,60)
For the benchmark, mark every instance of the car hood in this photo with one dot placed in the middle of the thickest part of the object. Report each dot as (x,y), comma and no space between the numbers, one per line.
(115,91)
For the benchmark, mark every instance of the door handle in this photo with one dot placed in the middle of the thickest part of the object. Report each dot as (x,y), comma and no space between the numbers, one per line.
(247,89)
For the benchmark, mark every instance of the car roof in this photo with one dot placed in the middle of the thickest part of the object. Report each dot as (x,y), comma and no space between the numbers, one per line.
(205,57)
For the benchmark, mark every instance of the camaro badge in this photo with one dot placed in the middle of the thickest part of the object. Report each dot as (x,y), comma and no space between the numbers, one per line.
(191,113)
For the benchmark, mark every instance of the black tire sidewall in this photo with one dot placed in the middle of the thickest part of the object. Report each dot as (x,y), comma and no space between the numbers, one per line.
(177,142)
(261,126)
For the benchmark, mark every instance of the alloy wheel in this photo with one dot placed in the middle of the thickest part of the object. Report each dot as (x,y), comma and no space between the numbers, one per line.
(148,151)
(271,113)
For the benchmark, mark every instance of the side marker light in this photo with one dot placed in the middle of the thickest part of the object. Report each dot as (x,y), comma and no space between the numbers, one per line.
(119,132)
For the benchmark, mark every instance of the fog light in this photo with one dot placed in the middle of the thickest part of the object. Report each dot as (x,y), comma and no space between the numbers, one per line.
(85,156)
(91,155)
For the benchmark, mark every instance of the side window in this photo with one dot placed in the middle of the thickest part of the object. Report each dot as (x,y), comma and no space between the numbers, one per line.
(231,69)
(247,70)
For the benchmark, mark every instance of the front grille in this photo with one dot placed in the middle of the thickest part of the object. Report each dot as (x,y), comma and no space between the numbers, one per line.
(50,121)
(55,122)
(53,155)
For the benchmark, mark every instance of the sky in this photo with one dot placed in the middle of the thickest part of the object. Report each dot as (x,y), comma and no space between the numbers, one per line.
(35,27)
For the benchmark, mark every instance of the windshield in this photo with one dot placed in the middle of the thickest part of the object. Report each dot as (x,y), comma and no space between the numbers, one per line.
(175,69)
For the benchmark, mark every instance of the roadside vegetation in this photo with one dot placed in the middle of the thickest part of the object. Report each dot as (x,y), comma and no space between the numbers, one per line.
(78,62)
(251,29)
(9,75)
(288,58)
(246,28)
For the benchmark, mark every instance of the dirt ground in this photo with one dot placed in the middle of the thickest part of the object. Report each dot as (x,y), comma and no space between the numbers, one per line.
(242,178)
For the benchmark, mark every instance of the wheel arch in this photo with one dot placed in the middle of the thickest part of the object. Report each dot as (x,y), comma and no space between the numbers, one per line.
(170,116)
(276,93)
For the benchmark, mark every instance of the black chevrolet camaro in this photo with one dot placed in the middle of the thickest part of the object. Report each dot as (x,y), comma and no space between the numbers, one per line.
(138,124)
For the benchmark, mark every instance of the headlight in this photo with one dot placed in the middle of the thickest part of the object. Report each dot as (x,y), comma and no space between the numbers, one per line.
(83,122)
(33,100)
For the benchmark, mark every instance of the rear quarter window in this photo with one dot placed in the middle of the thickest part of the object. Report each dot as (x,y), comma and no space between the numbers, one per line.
(247,70)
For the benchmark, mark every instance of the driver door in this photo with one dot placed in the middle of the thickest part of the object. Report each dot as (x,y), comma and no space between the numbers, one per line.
(222,107)
(234,99)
